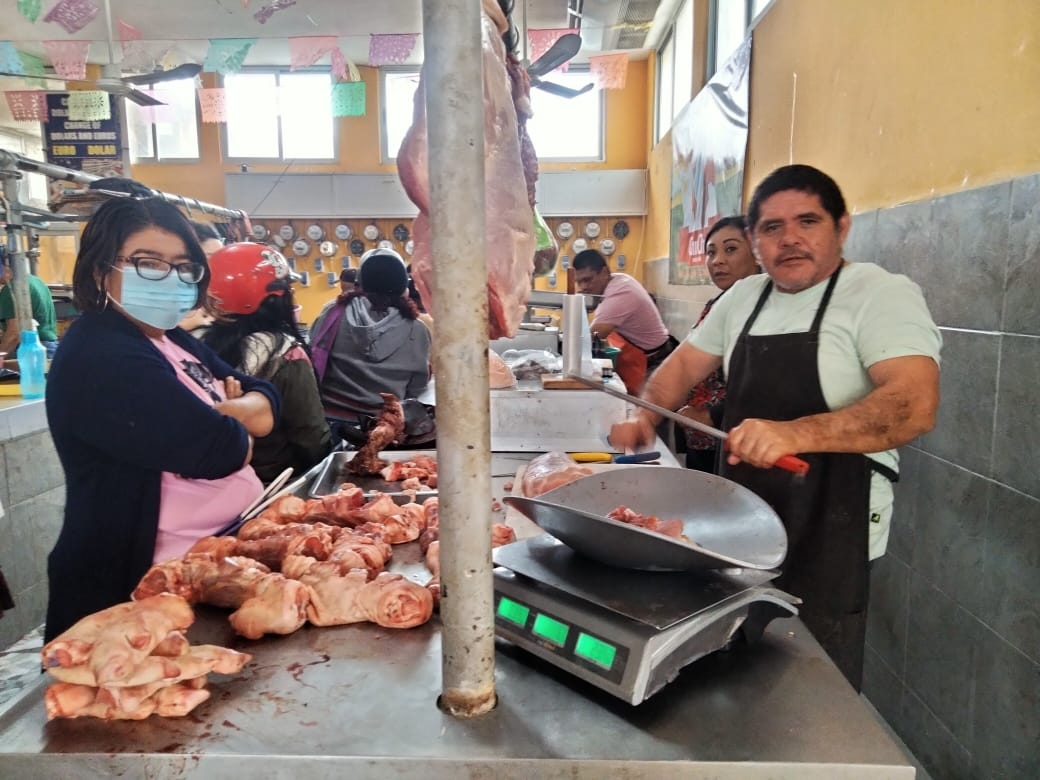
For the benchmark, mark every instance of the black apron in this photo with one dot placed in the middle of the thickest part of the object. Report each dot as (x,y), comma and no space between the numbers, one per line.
(777,378)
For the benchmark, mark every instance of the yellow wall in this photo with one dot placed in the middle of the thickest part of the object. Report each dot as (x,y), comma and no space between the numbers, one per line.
(626,142)
(897,100)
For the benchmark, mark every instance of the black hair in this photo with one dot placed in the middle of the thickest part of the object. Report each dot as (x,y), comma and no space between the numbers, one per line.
(803,178)
(733,222)
(114,222)
(591,259)
(228,335)
(204,231)
(383,303)
(348,275)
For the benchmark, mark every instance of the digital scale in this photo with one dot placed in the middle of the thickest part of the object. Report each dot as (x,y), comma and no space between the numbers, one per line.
(627,632)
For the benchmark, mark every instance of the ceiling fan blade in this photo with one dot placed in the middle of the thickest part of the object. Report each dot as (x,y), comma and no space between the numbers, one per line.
(566,46)
(186,71)
(559,90)
(142,98)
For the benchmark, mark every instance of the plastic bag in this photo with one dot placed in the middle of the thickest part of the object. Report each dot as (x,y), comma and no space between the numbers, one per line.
(549,471)
(532,363)
(546,249)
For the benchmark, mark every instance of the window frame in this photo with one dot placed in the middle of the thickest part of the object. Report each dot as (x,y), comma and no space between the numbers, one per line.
(155,158)
(751,19)
(386,159)
(278,71)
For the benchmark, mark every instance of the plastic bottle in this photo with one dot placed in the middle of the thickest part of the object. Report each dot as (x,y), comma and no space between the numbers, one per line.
(32,364)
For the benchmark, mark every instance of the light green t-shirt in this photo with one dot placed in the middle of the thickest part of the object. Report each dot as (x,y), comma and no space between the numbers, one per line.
(42,307)
(873,315)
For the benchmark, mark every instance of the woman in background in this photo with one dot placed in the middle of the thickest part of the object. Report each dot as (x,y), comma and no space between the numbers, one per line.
(729,260)
(153,430)
(210,241)
(371,342)
(254,330)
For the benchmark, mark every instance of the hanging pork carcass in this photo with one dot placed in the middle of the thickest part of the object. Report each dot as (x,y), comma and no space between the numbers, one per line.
(510,172)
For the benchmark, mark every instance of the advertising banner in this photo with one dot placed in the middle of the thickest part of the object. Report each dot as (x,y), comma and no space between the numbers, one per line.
(709,145)
(91,146)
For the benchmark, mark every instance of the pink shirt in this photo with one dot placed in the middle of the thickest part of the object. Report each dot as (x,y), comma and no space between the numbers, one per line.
(631,310)
(190,509)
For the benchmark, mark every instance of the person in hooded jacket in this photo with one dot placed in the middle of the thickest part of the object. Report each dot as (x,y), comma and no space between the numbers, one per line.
(254,330)
(371,342)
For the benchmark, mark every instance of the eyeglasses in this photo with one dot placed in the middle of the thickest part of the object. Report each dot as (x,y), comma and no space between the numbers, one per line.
(155,269)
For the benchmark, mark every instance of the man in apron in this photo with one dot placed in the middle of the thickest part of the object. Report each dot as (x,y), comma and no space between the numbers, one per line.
(834,361)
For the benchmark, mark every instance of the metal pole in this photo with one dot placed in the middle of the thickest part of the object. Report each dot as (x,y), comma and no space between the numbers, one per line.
(67,174)
(455,118)
(16,244)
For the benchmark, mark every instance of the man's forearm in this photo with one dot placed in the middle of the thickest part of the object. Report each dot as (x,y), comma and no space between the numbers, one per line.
(669,386)
(888,417)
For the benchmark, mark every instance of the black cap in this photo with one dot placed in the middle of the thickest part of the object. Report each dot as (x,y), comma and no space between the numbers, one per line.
(383,272)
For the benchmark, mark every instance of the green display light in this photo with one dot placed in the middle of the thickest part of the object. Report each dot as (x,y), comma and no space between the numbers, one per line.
(513,611)
(552,630)
(595,650)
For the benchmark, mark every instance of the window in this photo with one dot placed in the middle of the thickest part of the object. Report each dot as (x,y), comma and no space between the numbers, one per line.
(167,132)
(567,128)
(580,117)
(276,115)
(665,87)
(729,24)
(675,70)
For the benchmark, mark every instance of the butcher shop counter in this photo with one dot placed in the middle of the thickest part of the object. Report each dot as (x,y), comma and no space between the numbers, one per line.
(360,701)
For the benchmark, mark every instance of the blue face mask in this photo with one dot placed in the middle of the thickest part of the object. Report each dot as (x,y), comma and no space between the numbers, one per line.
(161,304)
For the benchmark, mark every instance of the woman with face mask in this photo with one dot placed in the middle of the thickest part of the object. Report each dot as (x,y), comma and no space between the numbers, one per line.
(153,430)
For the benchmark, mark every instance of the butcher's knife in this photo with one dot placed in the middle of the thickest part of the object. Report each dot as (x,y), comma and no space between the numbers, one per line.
(787,462)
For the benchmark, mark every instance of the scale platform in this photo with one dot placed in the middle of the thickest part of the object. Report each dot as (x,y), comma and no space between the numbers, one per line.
(627,632)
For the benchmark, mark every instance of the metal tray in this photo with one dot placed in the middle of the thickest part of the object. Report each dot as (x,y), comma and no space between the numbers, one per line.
(730,526)
(333,474)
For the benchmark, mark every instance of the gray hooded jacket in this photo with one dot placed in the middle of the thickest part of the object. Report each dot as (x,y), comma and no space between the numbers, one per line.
(374,352)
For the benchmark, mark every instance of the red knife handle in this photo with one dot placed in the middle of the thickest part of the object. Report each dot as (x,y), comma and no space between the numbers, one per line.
(792,464)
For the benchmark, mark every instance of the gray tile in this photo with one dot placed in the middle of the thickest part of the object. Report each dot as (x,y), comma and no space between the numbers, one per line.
(949,530)
(1016,445)
(964,278)
(45,513)
(5,497)
(1007,712)
(16,549)
(932,743)
(861,243)
(963,431)
(884,689)
(32,466)
(942,642)
(1011,571)
(904,513)
(887,616)
(904,240)
(1021,303)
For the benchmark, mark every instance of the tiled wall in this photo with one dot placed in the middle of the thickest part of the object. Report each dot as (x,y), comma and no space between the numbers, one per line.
(32,489)
(953,646)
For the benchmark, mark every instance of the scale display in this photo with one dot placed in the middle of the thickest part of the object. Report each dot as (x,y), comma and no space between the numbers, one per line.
(571,642)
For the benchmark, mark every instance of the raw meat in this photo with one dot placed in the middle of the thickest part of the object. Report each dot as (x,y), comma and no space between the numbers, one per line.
(389,428)
(389,600)
(669,528)
(500,376)
(509,214)
(111,683)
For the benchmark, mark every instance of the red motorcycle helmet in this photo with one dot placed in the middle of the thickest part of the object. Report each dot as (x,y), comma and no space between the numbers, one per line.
(243,275)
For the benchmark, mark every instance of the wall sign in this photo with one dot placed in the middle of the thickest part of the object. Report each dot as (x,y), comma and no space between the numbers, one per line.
(91,146)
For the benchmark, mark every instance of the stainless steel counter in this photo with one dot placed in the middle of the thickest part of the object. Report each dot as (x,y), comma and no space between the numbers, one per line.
(325,702)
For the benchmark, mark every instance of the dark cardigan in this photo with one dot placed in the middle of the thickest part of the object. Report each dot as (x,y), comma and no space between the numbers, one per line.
(120,417)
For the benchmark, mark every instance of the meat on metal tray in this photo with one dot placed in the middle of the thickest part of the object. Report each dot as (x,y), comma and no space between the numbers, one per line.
(727,526)
(334,473)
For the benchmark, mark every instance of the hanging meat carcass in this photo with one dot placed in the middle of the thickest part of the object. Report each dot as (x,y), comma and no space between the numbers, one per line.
(510,172)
